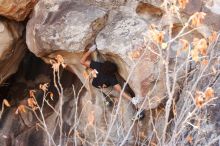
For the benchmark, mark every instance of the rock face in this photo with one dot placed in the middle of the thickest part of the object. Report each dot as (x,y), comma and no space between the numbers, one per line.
(211,10)
(67,27)
(212,16)
(166,78)
(123,35)
(214,7)
(55,23)
(122,32)
(12,47)
(107,4)
(16,10)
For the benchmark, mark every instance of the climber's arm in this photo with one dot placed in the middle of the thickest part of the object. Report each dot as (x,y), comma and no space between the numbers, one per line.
(84,60)
(117,87)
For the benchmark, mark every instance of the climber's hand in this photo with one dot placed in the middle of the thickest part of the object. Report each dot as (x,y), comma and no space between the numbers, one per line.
(92,48)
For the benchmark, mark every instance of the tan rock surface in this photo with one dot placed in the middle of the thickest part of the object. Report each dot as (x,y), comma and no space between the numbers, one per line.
(16,10)
(12,48)
(63,25)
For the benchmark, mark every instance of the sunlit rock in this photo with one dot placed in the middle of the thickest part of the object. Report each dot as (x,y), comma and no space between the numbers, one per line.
(16,10)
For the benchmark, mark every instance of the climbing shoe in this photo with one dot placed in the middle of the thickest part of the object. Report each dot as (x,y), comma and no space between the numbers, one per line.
(108,103)
(108,100)
(139,116)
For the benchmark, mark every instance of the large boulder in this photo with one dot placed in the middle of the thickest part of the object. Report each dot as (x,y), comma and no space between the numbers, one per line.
(12,47)
(121,37)
(63,25)
(16,10)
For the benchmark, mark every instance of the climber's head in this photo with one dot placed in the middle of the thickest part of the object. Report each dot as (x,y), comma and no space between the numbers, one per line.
(109,68)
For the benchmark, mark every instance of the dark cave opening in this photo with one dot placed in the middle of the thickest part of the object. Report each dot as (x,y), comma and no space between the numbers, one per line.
(31,73)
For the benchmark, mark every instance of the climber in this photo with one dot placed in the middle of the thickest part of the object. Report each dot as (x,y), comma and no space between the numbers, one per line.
(105,79)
